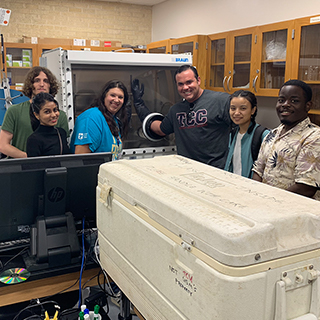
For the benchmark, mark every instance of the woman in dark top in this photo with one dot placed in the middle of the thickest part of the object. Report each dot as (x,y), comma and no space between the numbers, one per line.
(46,140)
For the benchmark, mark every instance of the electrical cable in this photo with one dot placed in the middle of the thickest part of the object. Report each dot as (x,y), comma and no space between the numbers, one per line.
(103,289)
(82,263)
(34,305)
(67,312)
(83,286)
(17,255)
(106,278)
(34,316)
(62,291)
(90,252)
(104,273)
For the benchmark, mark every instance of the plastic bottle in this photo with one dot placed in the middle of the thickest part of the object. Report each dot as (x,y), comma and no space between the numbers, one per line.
(83,307)
(81,315)
(86,314)
(96,312)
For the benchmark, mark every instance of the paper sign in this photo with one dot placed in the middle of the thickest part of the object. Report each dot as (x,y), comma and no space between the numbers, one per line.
(79,42)
(314,19)
(95,43)
(4,16)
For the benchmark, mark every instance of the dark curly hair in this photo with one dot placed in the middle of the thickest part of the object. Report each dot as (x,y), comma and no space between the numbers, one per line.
(32,74)
(121,115)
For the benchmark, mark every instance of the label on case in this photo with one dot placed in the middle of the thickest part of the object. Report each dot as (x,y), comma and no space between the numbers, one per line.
(315,19)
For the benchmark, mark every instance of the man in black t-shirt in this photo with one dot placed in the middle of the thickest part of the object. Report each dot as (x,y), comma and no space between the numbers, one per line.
(200,122)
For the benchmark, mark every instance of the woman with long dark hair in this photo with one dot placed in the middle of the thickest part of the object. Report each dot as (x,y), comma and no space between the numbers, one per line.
(101,127)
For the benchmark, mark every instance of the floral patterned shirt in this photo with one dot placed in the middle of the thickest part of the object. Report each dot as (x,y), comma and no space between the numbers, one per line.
(293,157)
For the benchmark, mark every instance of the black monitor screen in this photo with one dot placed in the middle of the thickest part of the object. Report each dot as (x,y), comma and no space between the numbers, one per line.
(23,187)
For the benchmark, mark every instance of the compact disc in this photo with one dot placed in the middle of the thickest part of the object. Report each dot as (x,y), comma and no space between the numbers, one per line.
(16,275)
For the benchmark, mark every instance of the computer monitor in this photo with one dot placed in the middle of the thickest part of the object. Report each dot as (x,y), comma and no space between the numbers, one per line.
(27,184)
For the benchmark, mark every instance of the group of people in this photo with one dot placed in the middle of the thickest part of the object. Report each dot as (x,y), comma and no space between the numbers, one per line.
(215,128)
(38,128)
(220,130)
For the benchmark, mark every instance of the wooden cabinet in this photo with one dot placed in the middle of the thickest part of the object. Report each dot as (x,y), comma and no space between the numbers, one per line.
(194,45)
(162,46)
(230,56)
(306,59)
(45,47)
(20,58)
(259,59)
(256,59)
(272,57)
(218,61)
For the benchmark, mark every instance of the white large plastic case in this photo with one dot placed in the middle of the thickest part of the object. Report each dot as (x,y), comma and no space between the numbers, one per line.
(184,240)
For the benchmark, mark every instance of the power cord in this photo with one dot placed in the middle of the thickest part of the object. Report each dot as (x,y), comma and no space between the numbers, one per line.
(37,304)
(82,263)
(12,258)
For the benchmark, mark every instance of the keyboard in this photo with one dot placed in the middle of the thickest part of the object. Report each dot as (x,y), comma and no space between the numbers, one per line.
(14,244)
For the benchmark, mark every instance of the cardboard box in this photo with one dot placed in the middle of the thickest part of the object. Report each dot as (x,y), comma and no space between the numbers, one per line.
(26,58)
(111,44)
(26,64)
(33,40)
(27,52)
(16,63)
(9,57)
(56,41)
(19,86)
(9,63)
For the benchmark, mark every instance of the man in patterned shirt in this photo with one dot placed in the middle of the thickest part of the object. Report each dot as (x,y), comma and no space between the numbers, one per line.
(289,156)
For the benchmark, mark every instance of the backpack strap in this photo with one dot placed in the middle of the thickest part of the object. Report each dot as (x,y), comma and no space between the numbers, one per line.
(232,132)
(256,141)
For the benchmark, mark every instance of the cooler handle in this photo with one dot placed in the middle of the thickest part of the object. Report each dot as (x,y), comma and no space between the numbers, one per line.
(281,303)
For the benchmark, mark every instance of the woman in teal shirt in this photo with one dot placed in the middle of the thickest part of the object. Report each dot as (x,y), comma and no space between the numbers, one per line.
(243,137)
(99,128)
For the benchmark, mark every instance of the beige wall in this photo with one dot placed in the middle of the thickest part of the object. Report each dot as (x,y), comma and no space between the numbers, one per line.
(81,19)
(179,18)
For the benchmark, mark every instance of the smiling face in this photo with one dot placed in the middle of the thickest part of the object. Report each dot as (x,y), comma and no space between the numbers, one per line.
(113,100)
(48,114)
(291,106)
(40,84)
(240,112)
(188,85)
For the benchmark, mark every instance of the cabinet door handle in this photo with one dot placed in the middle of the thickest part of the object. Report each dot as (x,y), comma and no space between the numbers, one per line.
(228,83)
(224,79)
(254,83)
